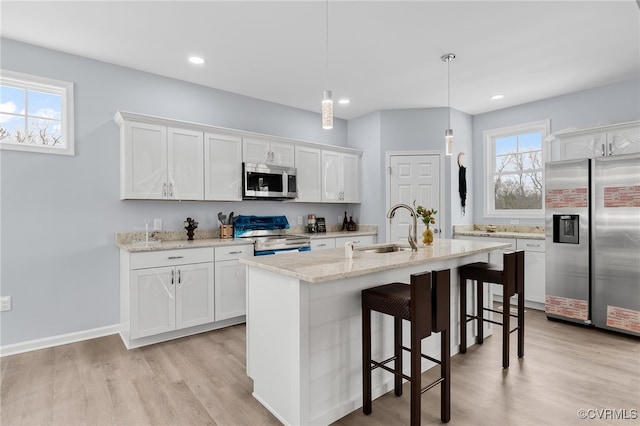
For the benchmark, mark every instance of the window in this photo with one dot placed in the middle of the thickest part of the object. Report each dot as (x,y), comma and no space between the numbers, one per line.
(36,114)
(514,160)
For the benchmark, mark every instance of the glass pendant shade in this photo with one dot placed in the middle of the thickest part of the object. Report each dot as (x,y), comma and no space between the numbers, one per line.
(448,142)
(327,110)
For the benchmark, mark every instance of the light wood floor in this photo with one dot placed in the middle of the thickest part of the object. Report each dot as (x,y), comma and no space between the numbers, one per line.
(201,380)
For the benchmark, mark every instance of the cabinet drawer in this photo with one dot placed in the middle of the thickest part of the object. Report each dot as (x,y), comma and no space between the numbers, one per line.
(531,245)
(363,240)
(323,243)
(152,259)
(233,252)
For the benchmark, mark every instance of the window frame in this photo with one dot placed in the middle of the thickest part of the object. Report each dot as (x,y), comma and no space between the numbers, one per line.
(489,137)
(47,85)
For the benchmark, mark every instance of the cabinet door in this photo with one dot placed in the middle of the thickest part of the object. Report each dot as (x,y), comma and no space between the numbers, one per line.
(143,161)
(331,169)
(194,294)
(309,177)
(230,289)
(255,151)
(185,164)
(223,167)
(152,301)
(534,269)
(350,178)
(584,145)
(282,154)
(625,140)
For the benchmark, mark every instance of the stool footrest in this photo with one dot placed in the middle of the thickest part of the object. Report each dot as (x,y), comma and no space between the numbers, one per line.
(429,386)
(437,361)
(377,364)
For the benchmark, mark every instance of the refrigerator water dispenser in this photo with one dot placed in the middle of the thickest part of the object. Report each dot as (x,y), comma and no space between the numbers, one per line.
(566,228)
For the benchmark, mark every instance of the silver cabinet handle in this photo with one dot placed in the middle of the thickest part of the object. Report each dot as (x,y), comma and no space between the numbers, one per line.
(235,252)
(532,245)
(172,276)
(322,245)
(164,189)
(610,148)
(171,189)
(179,277)
(356,242)
(175,257)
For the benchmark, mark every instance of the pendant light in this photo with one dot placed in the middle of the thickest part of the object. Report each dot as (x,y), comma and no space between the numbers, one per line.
(448,134)
(327,101)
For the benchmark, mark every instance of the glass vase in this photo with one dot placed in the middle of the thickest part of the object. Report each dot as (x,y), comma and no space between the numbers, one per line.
(427,237)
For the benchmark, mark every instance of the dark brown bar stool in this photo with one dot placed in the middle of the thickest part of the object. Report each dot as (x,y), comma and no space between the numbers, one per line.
(511,277)
(425,303)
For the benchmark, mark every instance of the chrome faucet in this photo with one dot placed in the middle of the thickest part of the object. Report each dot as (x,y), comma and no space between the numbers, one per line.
(413,236)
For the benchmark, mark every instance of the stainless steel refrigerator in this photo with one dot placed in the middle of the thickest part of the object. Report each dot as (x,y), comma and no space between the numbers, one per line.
(592,232)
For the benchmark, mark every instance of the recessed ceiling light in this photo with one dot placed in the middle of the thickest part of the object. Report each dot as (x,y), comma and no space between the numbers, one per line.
(344,101)
(496,97)
(196,60)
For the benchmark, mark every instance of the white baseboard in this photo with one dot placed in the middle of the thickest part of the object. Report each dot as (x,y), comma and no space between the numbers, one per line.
(61,339)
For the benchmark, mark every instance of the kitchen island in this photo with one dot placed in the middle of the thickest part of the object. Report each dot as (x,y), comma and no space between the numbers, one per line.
(304,324)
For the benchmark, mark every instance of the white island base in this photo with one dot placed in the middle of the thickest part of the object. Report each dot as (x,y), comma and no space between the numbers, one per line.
(304,347)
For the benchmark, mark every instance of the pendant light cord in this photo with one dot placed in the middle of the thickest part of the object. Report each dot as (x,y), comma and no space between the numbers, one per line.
(327,41)
(449,89)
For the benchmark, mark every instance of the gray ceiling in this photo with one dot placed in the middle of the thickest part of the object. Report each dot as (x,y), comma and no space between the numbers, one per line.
(382,54)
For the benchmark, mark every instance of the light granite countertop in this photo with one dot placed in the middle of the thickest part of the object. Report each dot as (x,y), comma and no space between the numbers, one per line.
(170,240)
(532,232)
(328,265)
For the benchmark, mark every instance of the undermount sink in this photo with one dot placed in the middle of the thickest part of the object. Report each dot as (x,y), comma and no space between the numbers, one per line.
(388,248)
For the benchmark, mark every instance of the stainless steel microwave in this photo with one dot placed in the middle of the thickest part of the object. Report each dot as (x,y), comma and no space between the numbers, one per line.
(266,181)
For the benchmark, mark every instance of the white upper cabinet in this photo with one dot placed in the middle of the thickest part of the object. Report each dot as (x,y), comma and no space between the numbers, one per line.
(223,167)
(309,174)
(614,139)
(340,177)
(160,162)
(185,163)
(263,151)
(143,157)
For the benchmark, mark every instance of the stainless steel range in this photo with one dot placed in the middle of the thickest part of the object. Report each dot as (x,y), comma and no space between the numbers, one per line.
(269,234)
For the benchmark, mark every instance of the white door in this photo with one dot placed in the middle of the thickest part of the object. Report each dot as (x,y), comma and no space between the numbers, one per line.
(231,290)
(223,170)
(350,178)
(331,168)
(309,175)
(413,177)
(194,294)
(186,164)
(152,301)
(144,161)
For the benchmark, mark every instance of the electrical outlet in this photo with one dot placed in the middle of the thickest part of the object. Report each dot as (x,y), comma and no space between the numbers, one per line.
(340,218)
(299,220)
(5,303)
(515,222)
(157,224)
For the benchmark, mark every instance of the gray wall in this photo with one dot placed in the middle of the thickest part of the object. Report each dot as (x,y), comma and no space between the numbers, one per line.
(613,103)
(59,214)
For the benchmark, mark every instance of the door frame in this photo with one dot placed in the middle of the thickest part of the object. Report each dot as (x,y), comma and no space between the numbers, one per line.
(443,209)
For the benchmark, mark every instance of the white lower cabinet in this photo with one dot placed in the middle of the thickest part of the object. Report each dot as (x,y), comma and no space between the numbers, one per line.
(534,269)
(167,298)
(323,243)
(337,242)
(231,282)
(174,293)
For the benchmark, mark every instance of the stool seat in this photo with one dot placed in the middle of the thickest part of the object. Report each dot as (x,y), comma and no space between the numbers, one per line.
(511,276)
(391,299)
(425,304)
